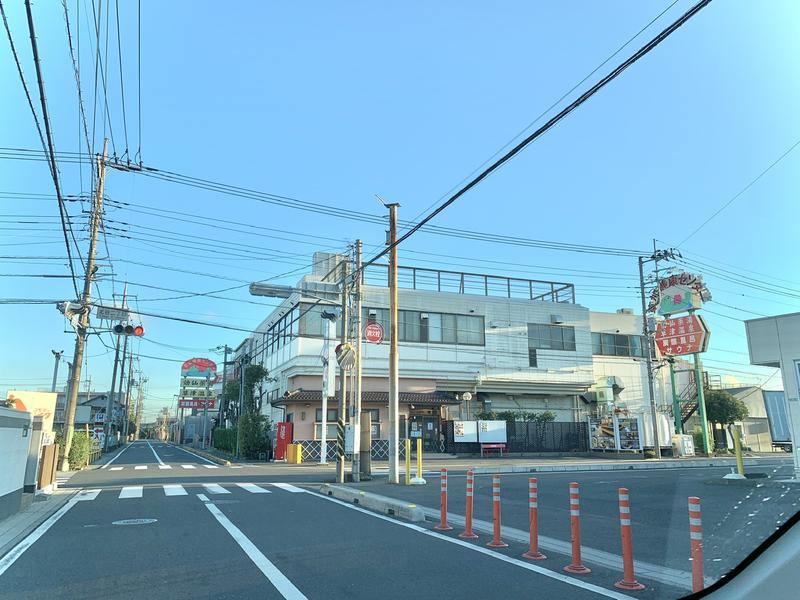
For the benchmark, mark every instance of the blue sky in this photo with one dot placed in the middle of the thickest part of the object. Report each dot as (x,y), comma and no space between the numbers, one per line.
(337,102)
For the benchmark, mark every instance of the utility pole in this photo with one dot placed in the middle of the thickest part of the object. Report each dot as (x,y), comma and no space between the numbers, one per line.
(394,392)
(224,398)
(355,420)
(243,364)
(649,360)
(126,419)
(205,407)
(110,401)
(138,422)
(57,356)
(342,381)
(328,380)
(83,319)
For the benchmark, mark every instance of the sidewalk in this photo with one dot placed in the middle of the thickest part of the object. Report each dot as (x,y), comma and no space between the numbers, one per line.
(18,526)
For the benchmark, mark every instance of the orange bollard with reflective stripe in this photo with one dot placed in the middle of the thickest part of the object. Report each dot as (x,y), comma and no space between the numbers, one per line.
(533,513)
(468,534)
(628,581)
(696,539)
(443,526)
(576,566)
(496,541)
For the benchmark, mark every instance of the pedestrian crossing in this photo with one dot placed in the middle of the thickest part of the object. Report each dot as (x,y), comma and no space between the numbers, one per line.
(171,490)
(168,467)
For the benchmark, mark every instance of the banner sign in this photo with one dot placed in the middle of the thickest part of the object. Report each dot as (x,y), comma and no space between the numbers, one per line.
(465,431)
(492,432)
(612,432)
(678,293)
(682,335)
(199,367)
(197,403)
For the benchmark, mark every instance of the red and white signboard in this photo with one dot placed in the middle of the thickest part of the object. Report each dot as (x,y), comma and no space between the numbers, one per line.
(197,403)
(374,333)
(682,335)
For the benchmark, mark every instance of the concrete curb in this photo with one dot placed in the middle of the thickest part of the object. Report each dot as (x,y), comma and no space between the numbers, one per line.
(641,465)
(382,504)
(202,454)
(60,500)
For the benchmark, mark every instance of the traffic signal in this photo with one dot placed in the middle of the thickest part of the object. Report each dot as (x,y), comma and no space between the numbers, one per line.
(128,329)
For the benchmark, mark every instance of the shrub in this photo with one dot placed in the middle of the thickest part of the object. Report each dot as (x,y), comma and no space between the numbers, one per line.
(254,435)
(224,439)
(80,451)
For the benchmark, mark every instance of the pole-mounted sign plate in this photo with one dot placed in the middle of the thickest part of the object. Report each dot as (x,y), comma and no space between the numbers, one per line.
(111,314)
(374,333)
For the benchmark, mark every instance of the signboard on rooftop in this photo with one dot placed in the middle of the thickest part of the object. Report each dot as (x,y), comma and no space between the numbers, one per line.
(678,293)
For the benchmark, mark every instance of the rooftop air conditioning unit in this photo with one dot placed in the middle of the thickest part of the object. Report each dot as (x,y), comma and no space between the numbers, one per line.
(624,311)
(556,319)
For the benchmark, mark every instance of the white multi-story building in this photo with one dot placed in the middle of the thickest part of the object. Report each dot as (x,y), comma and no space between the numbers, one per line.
(468,343)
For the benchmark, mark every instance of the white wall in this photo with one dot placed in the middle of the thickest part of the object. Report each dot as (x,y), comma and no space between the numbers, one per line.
(14,453)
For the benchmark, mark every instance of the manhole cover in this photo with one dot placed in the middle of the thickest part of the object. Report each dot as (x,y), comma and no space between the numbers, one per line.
(134,522)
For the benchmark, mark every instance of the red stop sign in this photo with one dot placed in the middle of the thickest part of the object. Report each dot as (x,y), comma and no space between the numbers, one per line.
(374,333)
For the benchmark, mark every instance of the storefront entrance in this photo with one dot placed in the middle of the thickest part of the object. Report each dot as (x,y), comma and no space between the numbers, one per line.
(426,426)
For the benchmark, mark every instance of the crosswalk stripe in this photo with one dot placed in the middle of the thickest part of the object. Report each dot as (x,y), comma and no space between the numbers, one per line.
(188,466)
(288,487)
(140,468)
(164,466)
(236,467)
(133,491)
(213,488)
(211,466)
(115,469)
(253,488)
(173,489)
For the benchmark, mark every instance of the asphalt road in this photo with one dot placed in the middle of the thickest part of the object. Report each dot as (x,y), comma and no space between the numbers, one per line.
(195,533)
(736,516)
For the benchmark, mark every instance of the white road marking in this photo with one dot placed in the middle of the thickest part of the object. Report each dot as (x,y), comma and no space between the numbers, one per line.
(164,466)
(253,488)
(158,458)
(115,469)
(11,557)
(236,466)
(285,587)
(289,487)
(87,495)
(188,466)
(203,497)
(140,468)
(485,551)
(131,491)
(173,489)
(105,466)
(211,466)
(213,488)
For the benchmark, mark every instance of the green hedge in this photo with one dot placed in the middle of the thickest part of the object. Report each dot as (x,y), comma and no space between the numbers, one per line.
(80,450)
(224,439)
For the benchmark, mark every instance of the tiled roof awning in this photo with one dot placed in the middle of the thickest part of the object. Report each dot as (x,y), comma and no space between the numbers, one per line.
(416,398)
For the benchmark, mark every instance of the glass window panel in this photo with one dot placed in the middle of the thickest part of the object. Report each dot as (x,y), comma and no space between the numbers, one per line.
(569,338)
(556,338)
(608,344)
(409,326)
(636,346)
(622,348)
(434,327)
(597,345)
(449,329)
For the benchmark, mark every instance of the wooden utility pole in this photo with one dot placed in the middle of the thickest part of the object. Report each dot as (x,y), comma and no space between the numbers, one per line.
(342,382)
(139,405)
(355,421)
(83,320)
(394,364)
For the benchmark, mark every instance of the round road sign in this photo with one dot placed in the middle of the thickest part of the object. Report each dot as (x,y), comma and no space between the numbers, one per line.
(374,333)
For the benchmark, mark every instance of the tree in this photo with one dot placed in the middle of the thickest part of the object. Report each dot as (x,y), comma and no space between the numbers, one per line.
(253,375)
(724,408)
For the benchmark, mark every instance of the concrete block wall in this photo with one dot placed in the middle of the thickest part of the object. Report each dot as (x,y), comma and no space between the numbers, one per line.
(14,441)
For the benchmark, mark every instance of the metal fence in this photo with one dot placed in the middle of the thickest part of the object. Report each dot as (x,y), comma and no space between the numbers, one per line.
(313,448)
(524,436)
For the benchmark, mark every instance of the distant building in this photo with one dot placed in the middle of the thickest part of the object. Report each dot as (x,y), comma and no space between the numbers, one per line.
(468,343)
(89,405)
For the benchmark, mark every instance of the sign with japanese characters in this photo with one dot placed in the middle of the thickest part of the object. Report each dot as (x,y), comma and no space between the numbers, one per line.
(678,293)
(197,403)
(465,431)
(682,335)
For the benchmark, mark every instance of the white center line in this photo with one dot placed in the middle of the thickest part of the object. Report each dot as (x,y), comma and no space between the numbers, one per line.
(105,466)
(285,587)
(115,469)
(158,458)
(188,466)
(173,489)
(289,487)
(164,466)
(132,491)
(140,468)
(253,488)
(213,488)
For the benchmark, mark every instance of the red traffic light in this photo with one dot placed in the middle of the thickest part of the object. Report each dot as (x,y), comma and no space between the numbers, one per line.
(128,329)
(138,331)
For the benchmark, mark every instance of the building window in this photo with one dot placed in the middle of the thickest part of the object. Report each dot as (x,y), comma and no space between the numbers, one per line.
(551,337)
(532,361)
(331,435)
(435,328)
(615,344)
(333,415)
(290,417)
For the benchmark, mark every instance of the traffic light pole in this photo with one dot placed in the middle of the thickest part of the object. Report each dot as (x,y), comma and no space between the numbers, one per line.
(342,384)
(86,297)
(394,392)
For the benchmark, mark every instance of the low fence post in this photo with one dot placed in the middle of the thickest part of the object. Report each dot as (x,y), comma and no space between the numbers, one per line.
(443,526)
(496,541)
(576,566)
(468,534)
(696,541)
(628,581)
(533,510)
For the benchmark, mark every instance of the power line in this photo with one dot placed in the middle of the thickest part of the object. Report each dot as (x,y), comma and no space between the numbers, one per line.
(139,66)
(741,192)
(121,80)
(544,128)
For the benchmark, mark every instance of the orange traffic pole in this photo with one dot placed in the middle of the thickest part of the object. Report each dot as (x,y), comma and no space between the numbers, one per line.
(628,581)
(533,510)
(443,526)
(496,541)
(468,534)
(696,539)
(576,566)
